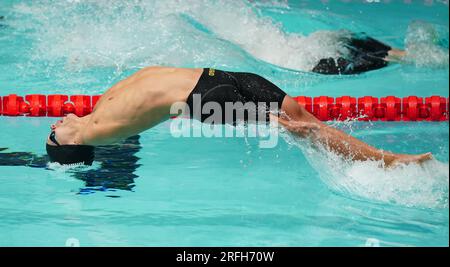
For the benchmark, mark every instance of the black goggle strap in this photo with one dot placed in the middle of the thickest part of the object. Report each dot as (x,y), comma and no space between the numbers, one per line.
(53,138)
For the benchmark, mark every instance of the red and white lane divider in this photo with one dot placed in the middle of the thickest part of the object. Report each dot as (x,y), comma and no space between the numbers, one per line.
(367,108)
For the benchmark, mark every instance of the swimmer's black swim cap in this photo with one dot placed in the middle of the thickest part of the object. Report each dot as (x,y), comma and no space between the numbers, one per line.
(71,154)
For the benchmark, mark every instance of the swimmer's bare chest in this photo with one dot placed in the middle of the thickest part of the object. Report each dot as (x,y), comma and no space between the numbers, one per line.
(139,103)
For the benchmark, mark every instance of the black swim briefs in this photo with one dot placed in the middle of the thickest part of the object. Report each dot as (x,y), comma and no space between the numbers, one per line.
(246,95)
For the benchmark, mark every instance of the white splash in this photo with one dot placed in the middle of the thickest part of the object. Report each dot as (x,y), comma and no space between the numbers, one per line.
(131,34)
(67,168)
(421,186)
(265,39)
(422,46)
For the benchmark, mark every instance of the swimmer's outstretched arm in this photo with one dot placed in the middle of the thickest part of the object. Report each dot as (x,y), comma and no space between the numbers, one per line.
(306,125)
(395,55)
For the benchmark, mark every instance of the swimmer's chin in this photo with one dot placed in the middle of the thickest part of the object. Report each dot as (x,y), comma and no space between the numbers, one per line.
(402,160)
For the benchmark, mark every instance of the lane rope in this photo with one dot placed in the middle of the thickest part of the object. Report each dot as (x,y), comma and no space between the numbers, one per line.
(325,108)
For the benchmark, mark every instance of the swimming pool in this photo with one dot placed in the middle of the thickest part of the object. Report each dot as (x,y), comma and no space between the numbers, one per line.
(157,190)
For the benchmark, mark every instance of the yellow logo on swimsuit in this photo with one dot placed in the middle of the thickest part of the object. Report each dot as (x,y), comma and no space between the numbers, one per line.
(212,72)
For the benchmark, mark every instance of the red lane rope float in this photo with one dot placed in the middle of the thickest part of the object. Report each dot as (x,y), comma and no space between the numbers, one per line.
(325,108)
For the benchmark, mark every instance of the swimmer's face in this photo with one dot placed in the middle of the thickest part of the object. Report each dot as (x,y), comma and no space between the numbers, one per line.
(62,146)
(64,130)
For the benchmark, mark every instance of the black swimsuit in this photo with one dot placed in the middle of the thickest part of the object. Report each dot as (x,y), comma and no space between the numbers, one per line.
(233,88)
(366,54)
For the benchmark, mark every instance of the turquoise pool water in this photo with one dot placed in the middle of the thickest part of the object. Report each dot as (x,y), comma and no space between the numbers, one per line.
(157,190)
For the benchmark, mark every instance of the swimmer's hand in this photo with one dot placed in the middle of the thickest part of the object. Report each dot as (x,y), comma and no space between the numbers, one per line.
(410,159)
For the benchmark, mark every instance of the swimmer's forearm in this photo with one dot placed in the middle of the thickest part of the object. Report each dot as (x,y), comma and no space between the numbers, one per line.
(349,146)
(337,141)
(395,55)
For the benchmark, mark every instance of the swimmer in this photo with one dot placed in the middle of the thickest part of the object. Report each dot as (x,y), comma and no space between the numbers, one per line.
(365,54)
(143,100)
